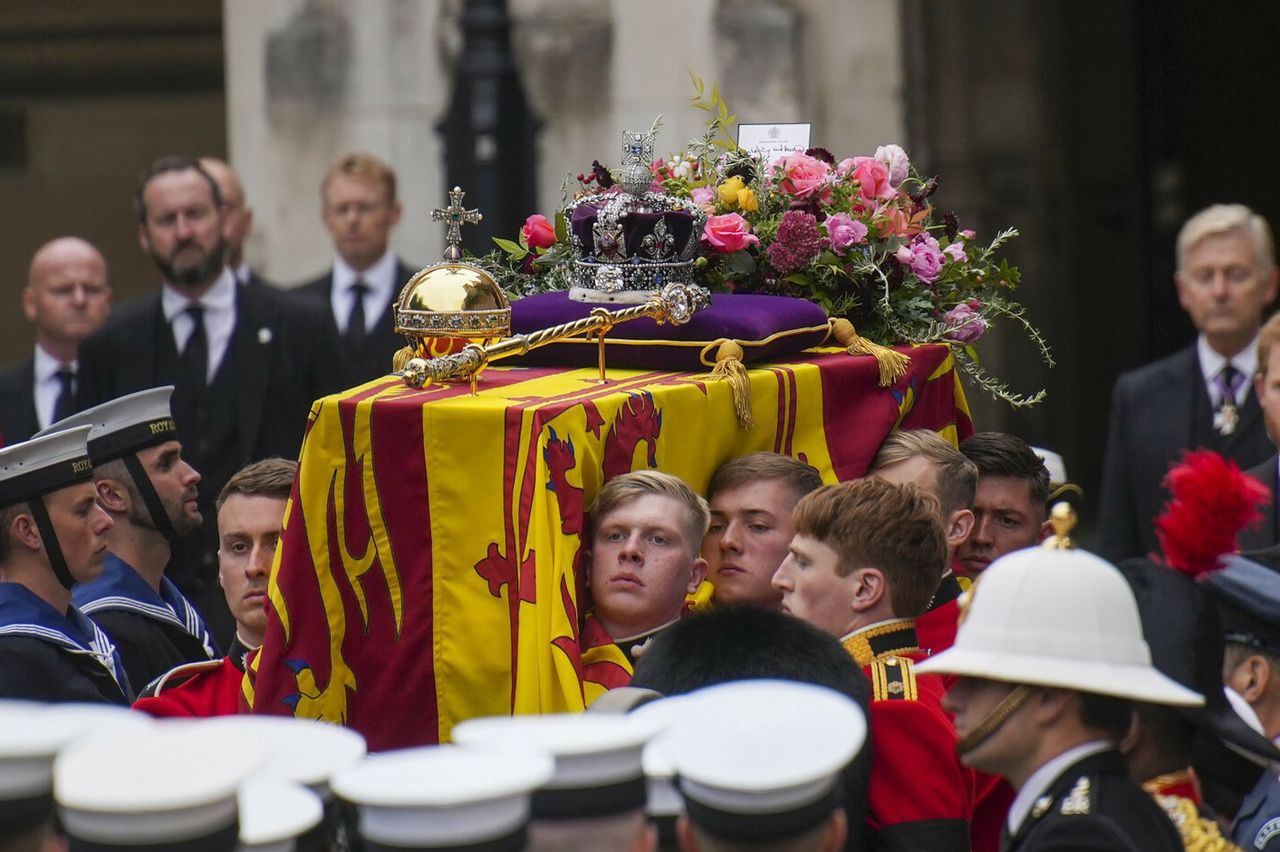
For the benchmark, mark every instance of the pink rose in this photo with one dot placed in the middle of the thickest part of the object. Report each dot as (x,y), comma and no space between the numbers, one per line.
(845,167)
(872,177)
(844,231)
(956,252)
(803,177)
(896,160)
(538,233)
(968,233)
(728,233)
(923,257)
(964,323)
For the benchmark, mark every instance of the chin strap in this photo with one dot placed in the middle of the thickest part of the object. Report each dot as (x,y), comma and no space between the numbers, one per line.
(997,717)
(50,538)
(147,492)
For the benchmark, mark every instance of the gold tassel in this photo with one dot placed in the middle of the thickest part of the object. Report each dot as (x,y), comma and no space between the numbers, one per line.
(729,368)
(401,358)
(893,365)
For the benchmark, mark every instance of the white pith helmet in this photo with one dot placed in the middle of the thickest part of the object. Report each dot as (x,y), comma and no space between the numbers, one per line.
(1058,618)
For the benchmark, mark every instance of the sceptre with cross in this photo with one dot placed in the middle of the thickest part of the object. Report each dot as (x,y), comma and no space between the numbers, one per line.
(456,216)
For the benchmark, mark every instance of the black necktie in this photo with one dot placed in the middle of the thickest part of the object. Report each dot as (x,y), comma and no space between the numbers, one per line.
(65,404)
(194,361)
(355,320)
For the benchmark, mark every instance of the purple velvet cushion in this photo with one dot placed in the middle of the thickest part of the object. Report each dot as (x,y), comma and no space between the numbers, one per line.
(766,327)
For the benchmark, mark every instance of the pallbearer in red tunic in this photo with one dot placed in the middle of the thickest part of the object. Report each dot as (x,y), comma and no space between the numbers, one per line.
(866,558)
(250,513)
(925,458)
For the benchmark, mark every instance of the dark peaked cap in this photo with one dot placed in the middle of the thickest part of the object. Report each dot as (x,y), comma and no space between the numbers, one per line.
(1248,598)
(1182,628)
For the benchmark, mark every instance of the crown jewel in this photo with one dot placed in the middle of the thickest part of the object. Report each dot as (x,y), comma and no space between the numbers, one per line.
(633,242)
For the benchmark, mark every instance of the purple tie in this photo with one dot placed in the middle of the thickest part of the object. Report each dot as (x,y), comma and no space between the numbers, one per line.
(1228,383)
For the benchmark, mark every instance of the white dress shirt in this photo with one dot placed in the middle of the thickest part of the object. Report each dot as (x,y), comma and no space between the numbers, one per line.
(379,278)
(1211,364)
(47,386)
(219,304)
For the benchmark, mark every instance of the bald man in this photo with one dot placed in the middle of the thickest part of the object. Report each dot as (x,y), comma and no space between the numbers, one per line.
(237,219)
(67,298)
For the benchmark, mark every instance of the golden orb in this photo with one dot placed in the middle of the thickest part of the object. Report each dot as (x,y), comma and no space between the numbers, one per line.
(445,306)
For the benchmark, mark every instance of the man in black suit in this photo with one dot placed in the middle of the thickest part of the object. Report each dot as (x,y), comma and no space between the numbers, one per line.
(67,298)
(246,362)
(1266,384)
(237,218)
(1198,397)
(359,210)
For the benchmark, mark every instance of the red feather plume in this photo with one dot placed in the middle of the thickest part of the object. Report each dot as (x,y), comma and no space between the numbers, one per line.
(1211,502)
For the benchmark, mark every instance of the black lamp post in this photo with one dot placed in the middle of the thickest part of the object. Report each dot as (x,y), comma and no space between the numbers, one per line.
(489,130)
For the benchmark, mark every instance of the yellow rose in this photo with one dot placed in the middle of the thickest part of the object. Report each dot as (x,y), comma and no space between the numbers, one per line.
(728,191)
(747,199)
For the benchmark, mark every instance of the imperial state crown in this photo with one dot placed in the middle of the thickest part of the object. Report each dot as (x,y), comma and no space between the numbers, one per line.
(633,242)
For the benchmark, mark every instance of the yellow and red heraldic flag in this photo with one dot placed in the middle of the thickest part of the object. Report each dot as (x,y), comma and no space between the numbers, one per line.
(428,571)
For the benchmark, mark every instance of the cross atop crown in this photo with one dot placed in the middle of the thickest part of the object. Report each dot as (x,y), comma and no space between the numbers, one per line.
(455,215)
(637,147)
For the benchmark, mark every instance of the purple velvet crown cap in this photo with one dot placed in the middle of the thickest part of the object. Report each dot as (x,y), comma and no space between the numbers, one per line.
(636,225)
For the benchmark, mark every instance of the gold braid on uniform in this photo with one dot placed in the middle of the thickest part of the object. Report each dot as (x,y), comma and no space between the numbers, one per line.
(1198,834)
(1006,708)
(891,639)
(893,678)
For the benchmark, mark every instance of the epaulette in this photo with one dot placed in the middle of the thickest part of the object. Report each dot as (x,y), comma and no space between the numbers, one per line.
(177,675)
(1197,833)
(893,678)
(1079,802)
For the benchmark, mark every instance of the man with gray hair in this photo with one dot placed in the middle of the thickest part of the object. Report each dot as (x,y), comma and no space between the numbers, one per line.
(1200,396)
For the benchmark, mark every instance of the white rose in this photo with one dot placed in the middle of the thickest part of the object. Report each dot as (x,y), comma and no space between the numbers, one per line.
(896,159)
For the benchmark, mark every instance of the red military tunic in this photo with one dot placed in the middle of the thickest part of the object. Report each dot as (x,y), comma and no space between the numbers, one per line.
(936,628)
(211,688)
(920,796)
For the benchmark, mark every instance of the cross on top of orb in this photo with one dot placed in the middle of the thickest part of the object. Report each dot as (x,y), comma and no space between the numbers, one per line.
(637,147)
(455,215)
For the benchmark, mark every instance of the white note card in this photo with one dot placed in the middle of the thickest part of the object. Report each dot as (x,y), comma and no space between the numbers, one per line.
(773,140)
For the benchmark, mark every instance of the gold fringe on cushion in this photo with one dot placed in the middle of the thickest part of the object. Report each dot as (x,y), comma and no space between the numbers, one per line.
(729,368)
(401,358)
(893,365)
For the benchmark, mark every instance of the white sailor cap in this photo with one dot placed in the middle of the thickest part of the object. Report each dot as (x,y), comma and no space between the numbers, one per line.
(124,425)
(278,816)
(42,465)
(599,768)
(304,751)
(663,800)
(163,784)
(444,797)
(31,734)
(762,760)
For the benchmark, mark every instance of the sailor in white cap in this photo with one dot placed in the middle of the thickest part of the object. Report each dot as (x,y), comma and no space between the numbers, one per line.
(31,734)
(52,536)
(167,787)
(280,816)
(596,798)
(760,762)
(1050,656)
(150,493)
(306,752)
(446,798)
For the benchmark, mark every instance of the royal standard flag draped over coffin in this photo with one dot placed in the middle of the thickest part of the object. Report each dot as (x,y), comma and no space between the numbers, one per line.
(428,569)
